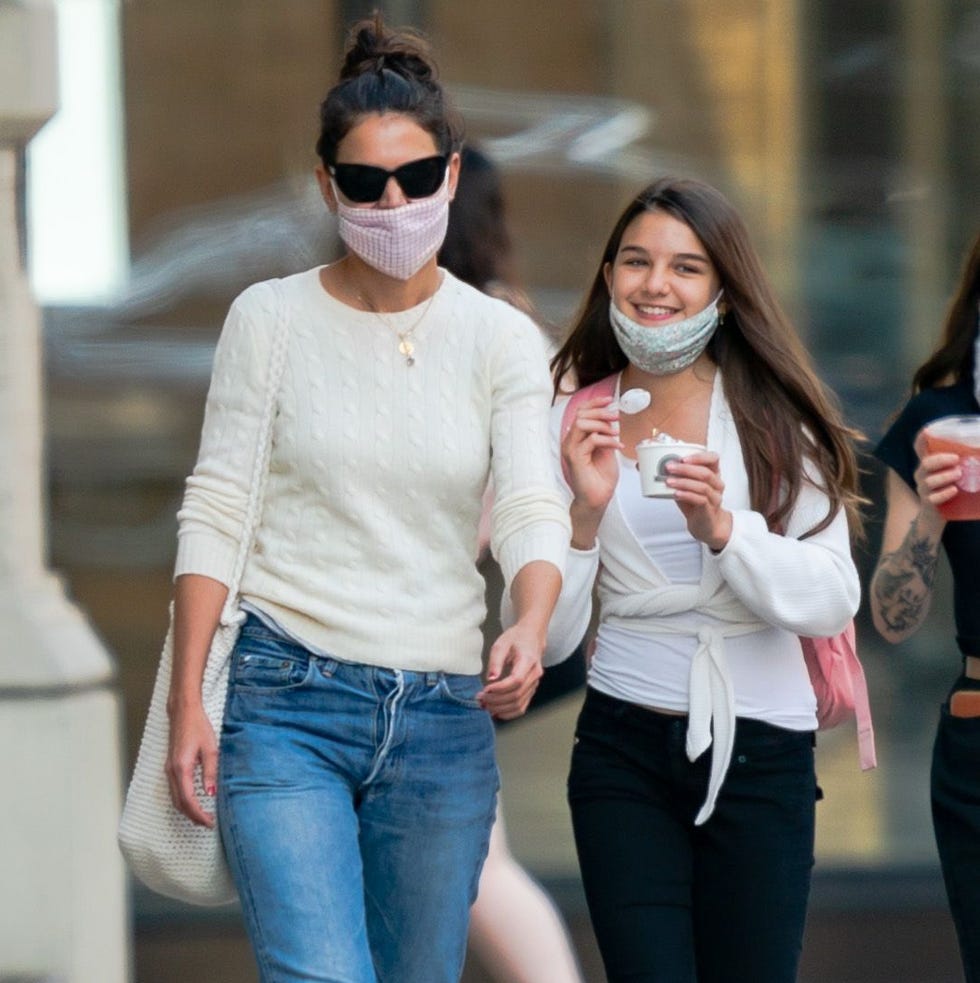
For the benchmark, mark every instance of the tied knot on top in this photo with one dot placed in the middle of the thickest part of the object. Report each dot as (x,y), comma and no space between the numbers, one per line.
(711,695)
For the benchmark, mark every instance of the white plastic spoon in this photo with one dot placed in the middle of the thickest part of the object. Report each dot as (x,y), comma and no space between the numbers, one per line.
(634,401)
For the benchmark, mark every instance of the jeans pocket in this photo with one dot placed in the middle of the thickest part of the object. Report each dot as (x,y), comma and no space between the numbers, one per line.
(780,761)
(460,690)
(269,671)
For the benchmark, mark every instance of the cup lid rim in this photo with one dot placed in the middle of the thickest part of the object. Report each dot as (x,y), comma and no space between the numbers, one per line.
(941,425)
(653,442)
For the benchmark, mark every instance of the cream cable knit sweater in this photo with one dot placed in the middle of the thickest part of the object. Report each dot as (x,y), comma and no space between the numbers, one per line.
(369,526)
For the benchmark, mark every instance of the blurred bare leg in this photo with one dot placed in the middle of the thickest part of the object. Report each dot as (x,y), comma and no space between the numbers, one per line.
(516,932)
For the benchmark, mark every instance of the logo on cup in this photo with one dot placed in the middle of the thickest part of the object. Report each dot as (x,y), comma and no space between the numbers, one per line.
(663,474)
(970,482)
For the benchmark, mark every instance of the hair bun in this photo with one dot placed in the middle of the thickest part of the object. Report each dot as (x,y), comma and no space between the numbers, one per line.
(373,48)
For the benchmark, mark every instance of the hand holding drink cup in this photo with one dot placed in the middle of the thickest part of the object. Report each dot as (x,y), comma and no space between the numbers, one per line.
(949,473)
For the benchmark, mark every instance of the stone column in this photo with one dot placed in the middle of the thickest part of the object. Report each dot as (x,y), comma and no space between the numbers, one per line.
(63,913)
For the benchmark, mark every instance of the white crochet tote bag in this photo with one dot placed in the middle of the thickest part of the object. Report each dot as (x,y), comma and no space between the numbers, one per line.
(164,849)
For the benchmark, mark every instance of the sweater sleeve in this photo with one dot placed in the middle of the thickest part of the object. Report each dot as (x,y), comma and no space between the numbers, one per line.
(807,586)
(216,493)
(529,520)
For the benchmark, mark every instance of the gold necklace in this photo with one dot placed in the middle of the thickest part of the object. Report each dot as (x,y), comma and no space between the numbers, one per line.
(658,428)
(406,343)
(683,401)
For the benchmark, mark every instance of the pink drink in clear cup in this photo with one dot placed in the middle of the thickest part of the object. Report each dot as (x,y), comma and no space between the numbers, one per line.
(959,435)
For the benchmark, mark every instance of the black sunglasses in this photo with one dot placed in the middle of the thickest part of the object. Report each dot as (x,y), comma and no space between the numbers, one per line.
(363,183)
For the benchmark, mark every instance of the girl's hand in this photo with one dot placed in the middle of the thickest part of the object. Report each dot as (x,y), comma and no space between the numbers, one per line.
(588,450)
(935,479)
(192,746)
(698,489)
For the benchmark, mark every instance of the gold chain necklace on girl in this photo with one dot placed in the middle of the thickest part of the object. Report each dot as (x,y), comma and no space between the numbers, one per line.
(638,400)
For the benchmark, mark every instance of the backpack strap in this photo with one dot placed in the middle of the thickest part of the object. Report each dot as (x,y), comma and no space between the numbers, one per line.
(846,642)
(604,387)
(862,709)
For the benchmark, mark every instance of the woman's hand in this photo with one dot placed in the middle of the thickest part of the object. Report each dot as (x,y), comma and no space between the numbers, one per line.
(513,672)
(514,663)
(935,481)
(697,485)
(588,450)
(192,745)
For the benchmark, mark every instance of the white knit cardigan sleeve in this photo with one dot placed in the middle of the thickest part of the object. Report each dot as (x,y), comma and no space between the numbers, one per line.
(529,520)
(216,493)
(808,586)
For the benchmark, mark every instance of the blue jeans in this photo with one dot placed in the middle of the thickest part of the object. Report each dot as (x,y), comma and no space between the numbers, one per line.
(355,806)
(672,902)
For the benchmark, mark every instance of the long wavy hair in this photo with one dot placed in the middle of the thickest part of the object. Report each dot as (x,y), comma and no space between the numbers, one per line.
(954,359)
(782,410)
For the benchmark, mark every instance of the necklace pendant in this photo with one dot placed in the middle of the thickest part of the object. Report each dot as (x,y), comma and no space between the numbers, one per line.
(407,349)
(409,359)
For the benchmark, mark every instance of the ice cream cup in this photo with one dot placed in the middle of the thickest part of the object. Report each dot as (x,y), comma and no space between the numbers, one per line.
(653,456)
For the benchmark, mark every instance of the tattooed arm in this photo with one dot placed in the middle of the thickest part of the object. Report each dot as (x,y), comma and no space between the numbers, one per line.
(901,588)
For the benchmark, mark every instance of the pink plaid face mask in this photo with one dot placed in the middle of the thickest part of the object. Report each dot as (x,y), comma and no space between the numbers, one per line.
(397,241)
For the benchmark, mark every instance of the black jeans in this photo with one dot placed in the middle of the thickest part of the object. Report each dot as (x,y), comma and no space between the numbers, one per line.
(956,821)
(672,902)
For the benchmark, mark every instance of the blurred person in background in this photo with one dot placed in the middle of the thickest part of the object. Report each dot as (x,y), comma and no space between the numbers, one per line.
(516,931)
(918,484)
(692,785)
(356,781)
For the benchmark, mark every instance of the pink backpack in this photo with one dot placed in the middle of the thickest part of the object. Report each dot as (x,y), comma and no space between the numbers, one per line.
(836,674)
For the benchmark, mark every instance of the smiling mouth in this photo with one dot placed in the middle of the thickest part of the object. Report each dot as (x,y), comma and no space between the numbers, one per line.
(650,311)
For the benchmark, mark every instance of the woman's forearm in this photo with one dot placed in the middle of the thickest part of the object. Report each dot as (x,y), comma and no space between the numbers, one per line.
(901,588)
(198,601)
(534,592)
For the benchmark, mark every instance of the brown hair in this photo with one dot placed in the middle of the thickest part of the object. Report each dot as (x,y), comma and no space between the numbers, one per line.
(782,410)
(953,360)
(386,71)
(478,247)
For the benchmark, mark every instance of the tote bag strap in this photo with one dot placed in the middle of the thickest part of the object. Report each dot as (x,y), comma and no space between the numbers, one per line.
(263,453)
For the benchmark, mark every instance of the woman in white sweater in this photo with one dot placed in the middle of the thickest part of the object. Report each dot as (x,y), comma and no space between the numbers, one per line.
(356,782)
(692,783)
